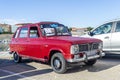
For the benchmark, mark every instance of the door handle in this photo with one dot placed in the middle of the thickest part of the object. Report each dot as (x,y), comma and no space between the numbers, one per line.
(107,37)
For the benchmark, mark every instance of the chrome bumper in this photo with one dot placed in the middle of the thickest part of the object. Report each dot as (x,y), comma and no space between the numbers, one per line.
(85,58)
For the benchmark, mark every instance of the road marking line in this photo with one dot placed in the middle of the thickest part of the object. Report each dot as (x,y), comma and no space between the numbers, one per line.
(16,74)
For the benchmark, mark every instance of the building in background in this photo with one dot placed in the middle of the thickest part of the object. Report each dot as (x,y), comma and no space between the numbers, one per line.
(5,28)
(22,24)
(14,27)
(1,30)
(78,31)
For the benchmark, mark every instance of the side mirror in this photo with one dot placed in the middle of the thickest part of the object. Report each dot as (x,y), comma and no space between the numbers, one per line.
(90,33)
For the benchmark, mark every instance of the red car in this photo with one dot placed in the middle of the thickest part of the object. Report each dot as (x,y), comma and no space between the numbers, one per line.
(52,42)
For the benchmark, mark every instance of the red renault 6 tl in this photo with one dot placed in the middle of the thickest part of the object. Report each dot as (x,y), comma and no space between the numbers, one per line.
(52,42)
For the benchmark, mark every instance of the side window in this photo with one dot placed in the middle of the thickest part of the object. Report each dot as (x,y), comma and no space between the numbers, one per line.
(23,32)
(117,27)
(103,29)
(16,34)
(34,32)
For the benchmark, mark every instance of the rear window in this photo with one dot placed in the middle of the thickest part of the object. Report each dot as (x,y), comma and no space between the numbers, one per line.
(16,34)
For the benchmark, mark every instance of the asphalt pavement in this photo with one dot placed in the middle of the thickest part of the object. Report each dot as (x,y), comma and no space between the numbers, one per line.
(107,68)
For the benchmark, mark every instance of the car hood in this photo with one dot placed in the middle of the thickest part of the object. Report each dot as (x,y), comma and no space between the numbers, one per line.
(75,40)
(86,35)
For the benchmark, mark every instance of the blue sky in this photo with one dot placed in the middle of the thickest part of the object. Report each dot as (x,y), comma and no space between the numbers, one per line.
(75,13)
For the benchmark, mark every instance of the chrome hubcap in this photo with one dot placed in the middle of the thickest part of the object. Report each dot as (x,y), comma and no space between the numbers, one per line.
(15,56)
(57,63)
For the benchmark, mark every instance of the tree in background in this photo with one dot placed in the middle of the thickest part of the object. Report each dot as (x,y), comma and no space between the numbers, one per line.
(89,28)
(70,29)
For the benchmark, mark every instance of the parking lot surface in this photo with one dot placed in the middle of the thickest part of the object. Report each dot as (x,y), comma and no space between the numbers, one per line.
(107,68)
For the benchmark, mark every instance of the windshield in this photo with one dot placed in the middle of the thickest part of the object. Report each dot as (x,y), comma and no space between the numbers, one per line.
(54,29)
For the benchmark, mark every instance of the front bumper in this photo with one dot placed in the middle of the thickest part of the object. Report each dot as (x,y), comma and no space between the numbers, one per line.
(86,58)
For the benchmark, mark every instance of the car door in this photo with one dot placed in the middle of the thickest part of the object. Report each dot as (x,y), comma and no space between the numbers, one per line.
(22,41)
(103,33)
(34,43)
(115,40)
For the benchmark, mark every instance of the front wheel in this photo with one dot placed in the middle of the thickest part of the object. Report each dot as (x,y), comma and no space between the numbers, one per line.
(17,58)
(91,62)
(58,63)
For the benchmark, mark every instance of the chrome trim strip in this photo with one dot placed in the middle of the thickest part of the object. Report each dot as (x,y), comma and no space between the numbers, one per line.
(85,58)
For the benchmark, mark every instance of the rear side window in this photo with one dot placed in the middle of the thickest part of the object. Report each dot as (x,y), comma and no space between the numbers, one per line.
(16,34)
(34,32)
(23,32)
(117,27)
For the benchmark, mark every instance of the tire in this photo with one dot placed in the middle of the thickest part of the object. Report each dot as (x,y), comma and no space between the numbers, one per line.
(91,62)
(58,63)
(17,58)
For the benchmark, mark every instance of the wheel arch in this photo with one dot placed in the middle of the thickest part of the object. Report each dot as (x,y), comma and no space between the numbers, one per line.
(52,52)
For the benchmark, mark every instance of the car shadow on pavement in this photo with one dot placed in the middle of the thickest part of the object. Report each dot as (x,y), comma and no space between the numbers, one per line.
(14,71)
(27,75)
(107,62)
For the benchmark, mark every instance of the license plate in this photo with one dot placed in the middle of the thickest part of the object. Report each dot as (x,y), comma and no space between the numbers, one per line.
(89,53)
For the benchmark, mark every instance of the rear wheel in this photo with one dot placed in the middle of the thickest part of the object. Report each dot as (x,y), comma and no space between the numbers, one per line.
(17,58)
(91,62)
(58,63)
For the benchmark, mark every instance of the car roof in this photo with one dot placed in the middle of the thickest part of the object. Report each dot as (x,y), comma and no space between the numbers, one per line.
(46,22)
(43,22)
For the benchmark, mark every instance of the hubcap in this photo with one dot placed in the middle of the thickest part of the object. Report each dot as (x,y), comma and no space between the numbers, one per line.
(57,64)
(15,56)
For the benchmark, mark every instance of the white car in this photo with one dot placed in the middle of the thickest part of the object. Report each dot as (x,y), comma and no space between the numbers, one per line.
(109,33)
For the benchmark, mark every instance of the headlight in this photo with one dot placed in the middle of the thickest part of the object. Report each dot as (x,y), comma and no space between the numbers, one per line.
(74,49)
(100,45)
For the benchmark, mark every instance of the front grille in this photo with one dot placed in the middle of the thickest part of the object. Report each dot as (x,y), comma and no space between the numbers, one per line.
(95,46)
(83,47)
(88,47)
